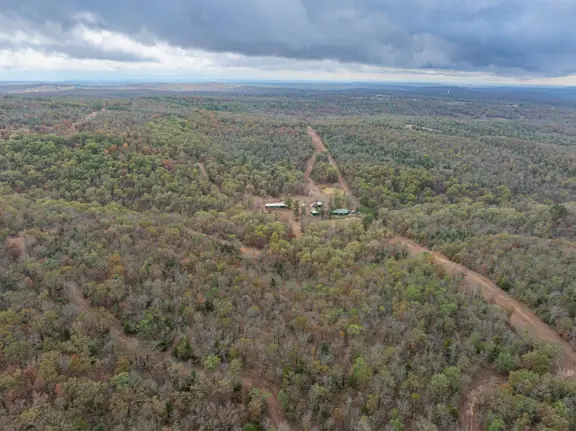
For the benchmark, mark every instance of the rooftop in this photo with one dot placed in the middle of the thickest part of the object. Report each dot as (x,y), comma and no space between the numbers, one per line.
(341,211)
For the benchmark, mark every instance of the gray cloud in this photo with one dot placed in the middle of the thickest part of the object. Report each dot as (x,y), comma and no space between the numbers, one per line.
(17,34)
(79,51)
(514,37)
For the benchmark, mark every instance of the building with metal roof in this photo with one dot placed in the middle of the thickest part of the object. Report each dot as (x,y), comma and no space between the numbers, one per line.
(276,205)
(340,212)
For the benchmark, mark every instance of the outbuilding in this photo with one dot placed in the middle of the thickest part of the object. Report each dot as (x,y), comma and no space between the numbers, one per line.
(342,212)
(276,206)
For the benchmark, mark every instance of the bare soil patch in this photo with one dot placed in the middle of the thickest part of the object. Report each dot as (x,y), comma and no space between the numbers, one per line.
(330,190)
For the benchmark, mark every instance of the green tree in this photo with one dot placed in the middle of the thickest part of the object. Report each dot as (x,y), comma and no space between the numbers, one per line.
(183,349)
(558,212)
(361,373)
(211,362)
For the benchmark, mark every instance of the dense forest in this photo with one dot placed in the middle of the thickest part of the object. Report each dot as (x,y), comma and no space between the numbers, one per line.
(144,284)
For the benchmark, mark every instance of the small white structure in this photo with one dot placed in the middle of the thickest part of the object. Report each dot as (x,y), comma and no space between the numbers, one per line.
(276,205)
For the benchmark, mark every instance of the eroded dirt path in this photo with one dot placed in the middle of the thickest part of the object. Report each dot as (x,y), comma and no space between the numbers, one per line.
(487,382)
(521,319)
(249,379)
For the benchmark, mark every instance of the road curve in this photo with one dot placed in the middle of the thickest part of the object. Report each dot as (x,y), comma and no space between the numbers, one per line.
(521,318)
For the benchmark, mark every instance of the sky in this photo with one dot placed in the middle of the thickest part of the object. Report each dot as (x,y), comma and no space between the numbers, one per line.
(456,41)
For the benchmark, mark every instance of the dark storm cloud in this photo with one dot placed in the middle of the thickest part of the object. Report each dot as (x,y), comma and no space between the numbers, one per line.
(533,37)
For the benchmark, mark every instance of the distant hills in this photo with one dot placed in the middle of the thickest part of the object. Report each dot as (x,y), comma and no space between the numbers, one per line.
(527,94)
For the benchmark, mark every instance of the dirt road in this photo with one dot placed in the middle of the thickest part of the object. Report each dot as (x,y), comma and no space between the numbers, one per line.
(310,166)
(320,148)
(522,319)
(249,379)
(73,127)
(317,141)
(314,191)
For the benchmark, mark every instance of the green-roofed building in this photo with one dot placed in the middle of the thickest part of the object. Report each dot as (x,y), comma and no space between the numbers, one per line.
(342,212)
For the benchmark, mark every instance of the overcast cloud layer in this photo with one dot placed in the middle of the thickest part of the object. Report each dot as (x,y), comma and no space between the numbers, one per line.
(514,38)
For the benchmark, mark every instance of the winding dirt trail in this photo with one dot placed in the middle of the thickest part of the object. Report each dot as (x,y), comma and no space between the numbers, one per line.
(116,332)
(521,319)
(249,379)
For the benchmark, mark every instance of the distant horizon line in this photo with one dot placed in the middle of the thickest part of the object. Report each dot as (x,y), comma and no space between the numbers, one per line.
(278,81)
